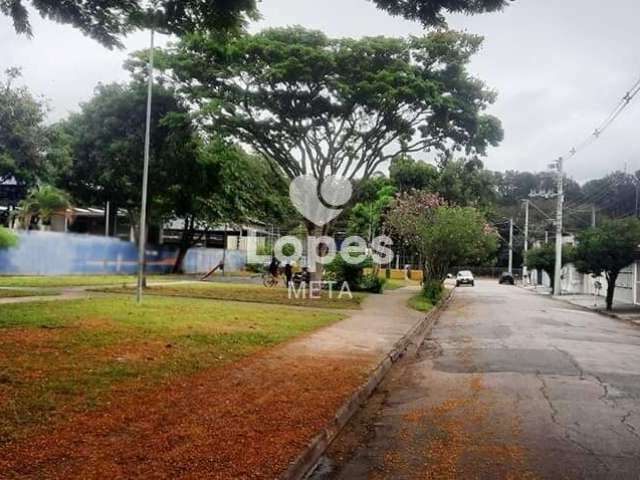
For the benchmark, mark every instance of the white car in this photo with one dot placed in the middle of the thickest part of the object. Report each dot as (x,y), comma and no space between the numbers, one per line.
(465,277)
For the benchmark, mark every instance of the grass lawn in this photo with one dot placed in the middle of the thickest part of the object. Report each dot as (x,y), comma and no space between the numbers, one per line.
(419,302)
(252,293)
(11,293)
(393,284)
(66,357)
(77,280)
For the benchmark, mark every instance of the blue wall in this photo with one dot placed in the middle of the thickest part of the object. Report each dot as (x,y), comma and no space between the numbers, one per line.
(49,253)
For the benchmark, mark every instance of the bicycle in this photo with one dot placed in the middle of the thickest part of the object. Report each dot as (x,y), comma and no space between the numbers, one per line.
(269,280)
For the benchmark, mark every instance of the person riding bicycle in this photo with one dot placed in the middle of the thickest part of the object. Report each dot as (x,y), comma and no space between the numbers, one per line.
(274,267)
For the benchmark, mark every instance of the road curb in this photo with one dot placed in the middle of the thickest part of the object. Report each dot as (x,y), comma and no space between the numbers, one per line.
(308,459)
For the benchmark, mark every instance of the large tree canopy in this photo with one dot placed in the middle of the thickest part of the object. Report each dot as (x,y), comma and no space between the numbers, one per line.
(431,12)
(109,20)
(319,106)
(22,134)
(107,143)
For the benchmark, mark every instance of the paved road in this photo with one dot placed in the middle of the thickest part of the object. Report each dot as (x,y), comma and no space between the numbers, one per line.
(511,385)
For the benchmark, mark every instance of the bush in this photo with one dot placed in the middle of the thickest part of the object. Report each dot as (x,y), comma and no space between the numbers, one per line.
(372,284)
(255,268)
(341,271)
(7,238)
(433,290)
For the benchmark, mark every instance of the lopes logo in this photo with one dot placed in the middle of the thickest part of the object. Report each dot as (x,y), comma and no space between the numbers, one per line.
(319,202)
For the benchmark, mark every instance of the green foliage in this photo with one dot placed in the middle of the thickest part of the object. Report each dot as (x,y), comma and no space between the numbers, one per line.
(22,133)
(107,146)
(254,268)
(342,271)
(365,218)
(372,283)
(321,106)
(466,183)
(443,235)
(42,203)
(420,303)
(108,21)
(408,174)
(432,291)
(7,238)
(432,12)
(608,249)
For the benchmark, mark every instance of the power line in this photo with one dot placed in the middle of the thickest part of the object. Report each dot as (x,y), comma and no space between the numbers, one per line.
(604,126)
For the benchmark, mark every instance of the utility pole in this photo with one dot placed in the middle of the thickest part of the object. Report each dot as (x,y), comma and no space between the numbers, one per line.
(557,288)
(142,236)
(511,245)
(526,239)
(593,216)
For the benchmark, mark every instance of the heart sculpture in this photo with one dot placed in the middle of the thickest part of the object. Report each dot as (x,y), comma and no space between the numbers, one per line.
(315,201)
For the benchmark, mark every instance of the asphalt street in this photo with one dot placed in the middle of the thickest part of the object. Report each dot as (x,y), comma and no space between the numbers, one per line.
(510,385)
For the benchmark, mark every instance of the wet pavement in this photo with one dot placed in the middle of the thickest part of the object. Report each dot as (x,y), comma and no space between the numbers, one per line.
(510,385)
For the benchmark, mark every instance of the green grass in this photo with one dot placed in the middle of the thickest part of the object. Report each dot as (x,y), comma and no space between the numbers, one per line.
(10,293)
(58,358)
(251,293)
(420,302)
(77,280)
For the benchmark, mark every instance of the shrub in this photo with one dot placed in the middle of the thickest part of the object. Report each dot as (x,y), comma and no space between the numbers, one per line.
(254,268)
(433,290)
(7,238)
(372,284)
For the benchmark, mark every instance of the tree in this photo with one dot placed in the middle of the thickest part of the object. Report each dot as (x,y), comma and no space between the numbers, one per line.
(107,143)
(430,12)
(408,174)
(608,249)
(443,235)
(224,185)
(543,258)
(365,218)
(615,194)
(336,107)
(108,21)
(42,203)
(465,182)
(22,134)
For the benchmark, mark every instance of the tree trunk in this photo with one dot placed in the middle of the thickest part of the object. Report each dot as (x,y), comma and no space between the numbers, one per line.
(315,231)
(186,242)
(612,278)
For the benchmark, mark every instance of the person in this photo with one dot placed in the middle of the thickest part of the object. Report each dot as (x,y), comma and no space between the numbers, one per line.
(288,273)
(273,267)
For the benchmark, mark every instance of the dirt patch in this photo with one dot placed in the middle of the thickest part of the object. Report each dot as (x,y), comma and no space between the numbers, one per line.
(246,420)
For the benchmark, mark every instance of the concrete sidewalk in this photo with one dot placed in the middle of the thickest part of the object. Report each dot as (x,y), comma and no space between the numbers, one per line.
(621,310)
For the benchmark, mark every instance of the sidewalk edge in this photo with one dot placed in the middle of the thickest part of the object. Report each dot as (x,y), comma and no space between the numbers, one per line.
(410,342)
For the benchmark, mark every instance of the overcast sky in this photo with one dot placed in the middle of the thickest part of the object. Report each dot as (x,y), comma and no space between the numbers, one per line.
(559,67)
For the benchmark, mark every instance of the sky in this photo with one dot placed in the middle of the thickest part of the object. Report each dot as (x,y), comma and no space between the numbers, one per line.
(559,68)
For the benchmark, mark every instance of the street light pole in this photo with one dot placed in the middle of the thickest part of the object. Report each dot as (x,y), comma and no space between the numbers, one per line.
(142,237)
(557,288)
(511,245)
(526,239)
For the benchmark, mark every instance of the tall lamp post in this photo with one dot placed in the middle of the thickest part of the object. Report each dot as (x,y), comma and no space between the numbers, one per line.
(142,237)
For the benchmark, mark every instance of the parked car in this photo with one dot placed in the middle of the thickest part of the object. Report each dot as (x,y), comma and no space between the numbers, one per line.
(465,277)
(507,279)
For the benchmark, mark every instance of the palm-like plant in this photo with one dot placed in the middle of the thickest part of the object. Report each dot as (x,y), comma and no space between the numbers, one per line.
(42,203)
(7,238)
